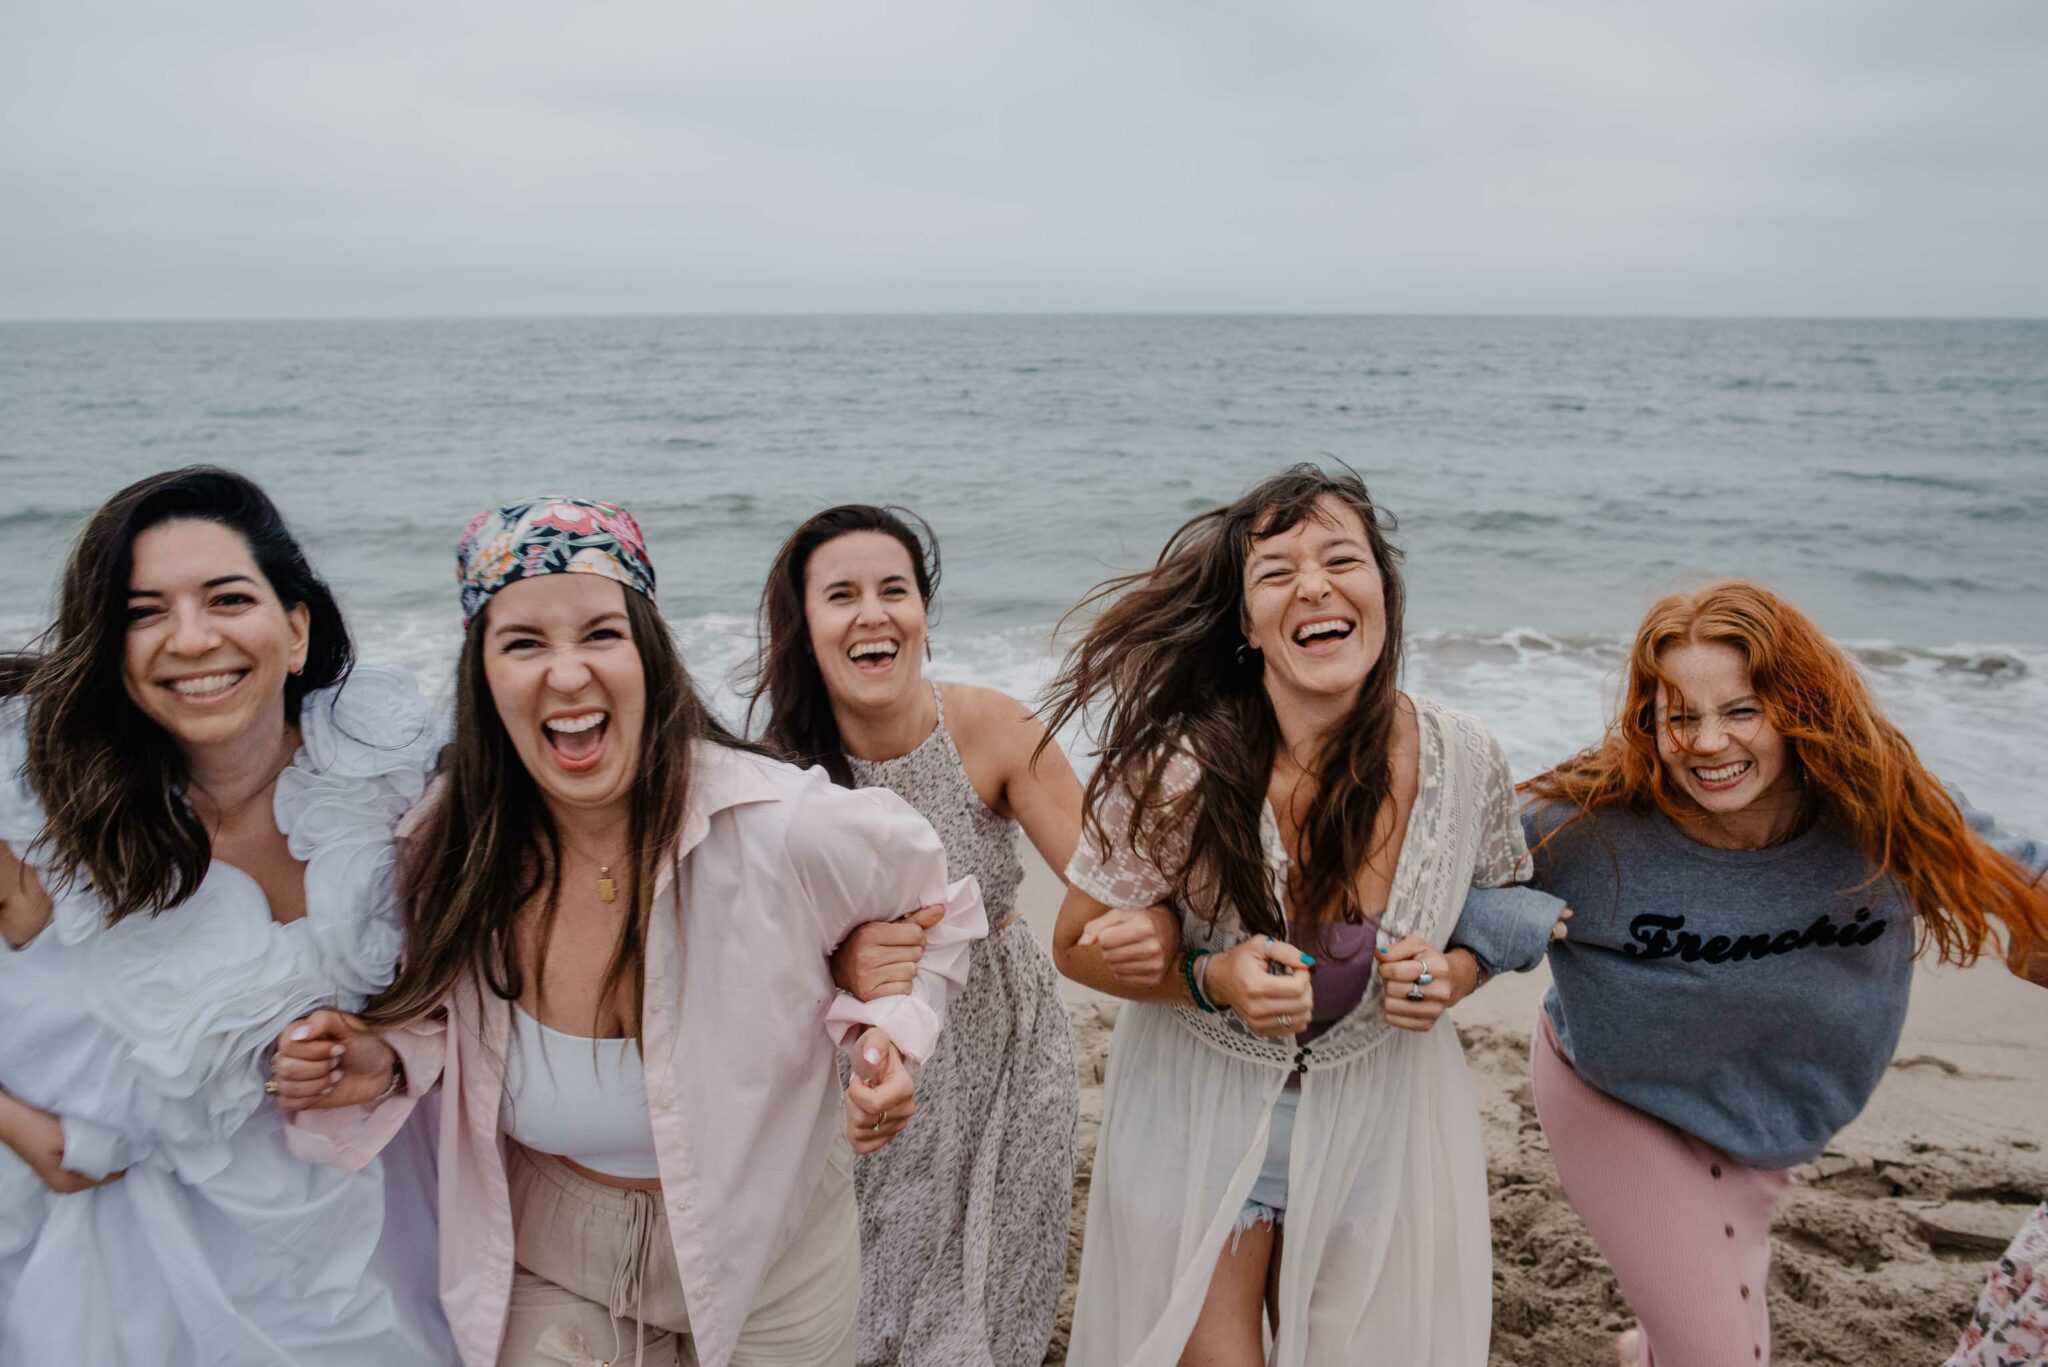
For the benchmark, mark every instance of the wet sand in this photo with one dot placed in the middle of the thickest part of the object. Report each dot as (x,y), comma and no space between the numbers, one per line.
(1880,1246)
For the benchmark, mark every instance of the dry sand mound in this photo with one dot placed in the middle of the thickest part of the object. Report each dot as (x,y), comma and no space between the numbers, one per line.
(1878,1253)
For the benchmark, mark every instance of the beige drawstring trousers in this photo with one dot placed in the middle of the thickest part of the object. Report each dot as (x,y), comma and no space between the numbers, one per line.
(596,1282)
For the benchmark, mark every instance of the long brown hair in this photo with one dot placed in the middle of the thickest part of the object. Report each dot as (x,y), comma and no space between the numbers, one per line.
(1165,665)
(110,781)
(784,673)
(1858,767)
(487,848)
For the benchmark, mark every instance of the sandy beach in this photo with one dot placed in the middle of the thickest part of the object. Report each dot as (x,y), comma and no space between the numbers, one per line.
(1880,1246)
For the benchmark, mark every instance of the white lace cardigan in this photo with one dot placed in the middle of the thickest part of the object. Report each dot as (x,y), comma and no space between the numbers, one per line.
(1387,1255)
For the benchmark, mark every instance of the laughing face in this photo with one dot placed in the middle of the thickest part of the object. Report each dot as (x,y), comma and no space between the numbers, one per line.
(208,646)
(1315,607)
(1717,746)
(866,620)
(569,686)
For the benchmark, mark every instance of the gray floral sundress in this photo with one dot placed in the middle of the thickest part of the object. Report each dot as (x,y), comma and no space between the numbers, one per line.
(963,1219)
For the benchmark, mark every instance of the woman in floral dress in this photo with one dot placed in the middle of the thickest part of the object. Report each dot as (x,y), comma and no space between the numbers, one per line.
(963,1219)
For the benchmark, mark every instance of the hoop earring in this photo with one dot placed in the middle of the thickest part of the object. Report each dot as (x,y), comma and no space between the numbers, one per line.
(1245,653)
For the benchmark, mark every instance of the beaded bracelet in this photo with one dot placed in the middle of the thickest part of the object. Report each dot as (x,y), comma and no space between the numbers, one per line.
(1187,970)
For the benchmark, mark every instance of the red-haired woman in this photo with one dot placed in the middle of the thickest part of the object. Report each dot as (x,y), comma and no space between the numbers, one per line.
(1754,855)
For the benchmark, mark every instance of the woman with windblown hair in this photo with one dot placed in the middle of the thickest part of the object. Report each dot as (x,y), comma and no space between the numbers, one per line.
(1284,1140)
(1755,855)
(197,794)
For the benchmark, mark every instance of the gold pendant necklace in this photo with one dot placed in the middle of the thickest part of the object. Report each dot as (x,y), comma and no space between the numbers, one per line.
(607,886)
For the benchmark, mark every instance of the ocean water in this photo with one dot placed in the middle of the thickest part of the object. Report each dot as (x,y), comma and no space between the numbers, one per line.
(1551,476)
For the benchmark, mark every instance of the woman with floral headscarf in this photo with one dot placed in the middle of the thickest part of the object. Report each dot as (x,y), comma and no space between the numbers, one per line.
(618,926)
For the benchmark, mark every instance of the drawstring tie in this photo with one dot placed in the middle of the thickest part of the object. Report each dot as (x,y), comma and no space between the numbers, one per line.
(629,1285)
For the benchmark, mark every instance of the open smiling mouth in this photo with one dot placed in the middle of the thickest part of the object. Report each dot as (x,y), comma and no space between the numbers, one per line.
(577,740)
(1328,632)
(207,687)
(873,657)
(1724,775)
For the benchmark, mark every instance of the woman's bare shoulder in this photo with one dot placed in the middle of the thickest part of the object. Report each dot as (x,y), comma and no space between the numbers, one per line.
(982,717)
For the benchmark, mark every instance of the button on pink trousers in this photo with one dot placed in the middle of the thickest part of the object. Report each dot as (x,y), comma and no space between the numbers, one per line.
(1685,1228)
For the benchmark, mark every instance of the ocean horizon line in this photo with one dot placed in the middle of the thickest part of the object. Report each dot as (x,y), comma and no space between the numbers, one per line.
(1124,315)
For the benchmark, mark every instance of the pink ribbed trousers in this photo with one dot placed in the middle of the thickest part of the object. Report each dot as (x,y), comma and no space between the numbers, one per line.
(1685,1228)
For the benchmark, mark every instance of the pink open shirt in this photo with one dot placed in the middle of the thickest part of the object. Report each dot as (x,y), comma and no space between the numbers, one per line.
(778,865)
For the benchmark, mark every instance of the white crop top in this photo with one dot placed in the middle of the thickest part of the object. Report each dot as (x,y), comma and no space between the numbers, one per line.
(587,1105)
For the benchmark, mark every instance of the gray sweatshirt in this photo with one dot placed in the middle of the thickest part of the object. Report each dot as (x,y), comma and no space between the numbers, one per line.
(1751,998)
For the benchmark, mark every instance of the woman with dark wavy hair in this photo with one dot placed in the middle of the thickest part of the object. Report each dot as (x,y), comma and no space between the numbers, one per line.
(196,803)
(1285,1141)
(963,1221)
(618,923)
(1755,855)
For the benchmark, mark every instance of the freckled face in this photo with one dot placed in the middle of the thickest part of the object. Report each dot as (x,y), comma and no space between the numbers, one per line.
(866,620)
(1315,606)
(569,685)
(1716,744)
(208,646)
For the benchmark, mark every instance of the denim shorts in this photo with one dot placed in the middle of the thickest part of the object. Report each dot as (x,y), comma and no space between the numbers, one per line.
(1267,1202)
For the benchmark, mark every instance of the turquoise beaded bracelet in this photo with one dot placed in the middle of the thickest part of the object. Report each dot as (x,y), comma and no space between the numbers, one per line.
(1187,970)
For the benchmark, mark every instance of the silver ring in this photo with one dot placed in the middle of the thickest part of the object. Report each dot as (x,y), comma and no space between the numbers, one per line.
(1287,1020)
(1415,992)
(1425,979)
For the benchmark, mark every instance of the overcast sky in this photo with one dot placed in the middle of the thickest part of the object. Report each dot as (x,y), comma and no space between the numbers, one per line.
(181,158)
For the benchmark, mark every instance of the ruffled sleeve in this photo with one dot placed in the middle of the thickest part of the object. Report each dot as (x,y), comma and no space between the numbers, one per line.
(153,1031)
(366,751)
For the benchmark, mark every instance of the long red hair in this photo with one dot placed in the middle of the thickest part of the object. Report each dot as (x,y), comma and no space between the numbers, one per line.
(1856,765)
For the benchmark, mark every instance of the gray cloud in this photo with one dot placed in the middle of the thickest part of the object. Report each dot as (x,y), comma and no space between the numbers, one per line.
(236,158)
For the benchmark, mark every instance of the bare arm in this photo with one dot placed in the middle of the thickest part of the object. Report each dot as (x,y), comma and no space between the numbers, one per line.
(37,1138)
(1040,792)
(1089,964)
(24,906)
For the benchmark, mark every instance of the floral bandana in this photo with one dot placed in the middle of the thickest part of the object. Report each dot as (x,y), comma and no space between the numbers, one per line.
(548,535)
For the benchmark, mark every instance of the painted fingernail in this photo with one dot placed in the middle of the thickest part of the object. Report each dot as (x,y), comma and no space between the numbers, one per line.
(1309,959)
(334,1052)
(303,1032)
(334,1076)
(873,1056)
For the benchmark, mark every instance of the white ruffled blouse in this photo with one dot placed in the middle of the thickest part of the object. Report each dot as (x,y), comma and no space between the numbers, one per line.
(148,1038)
